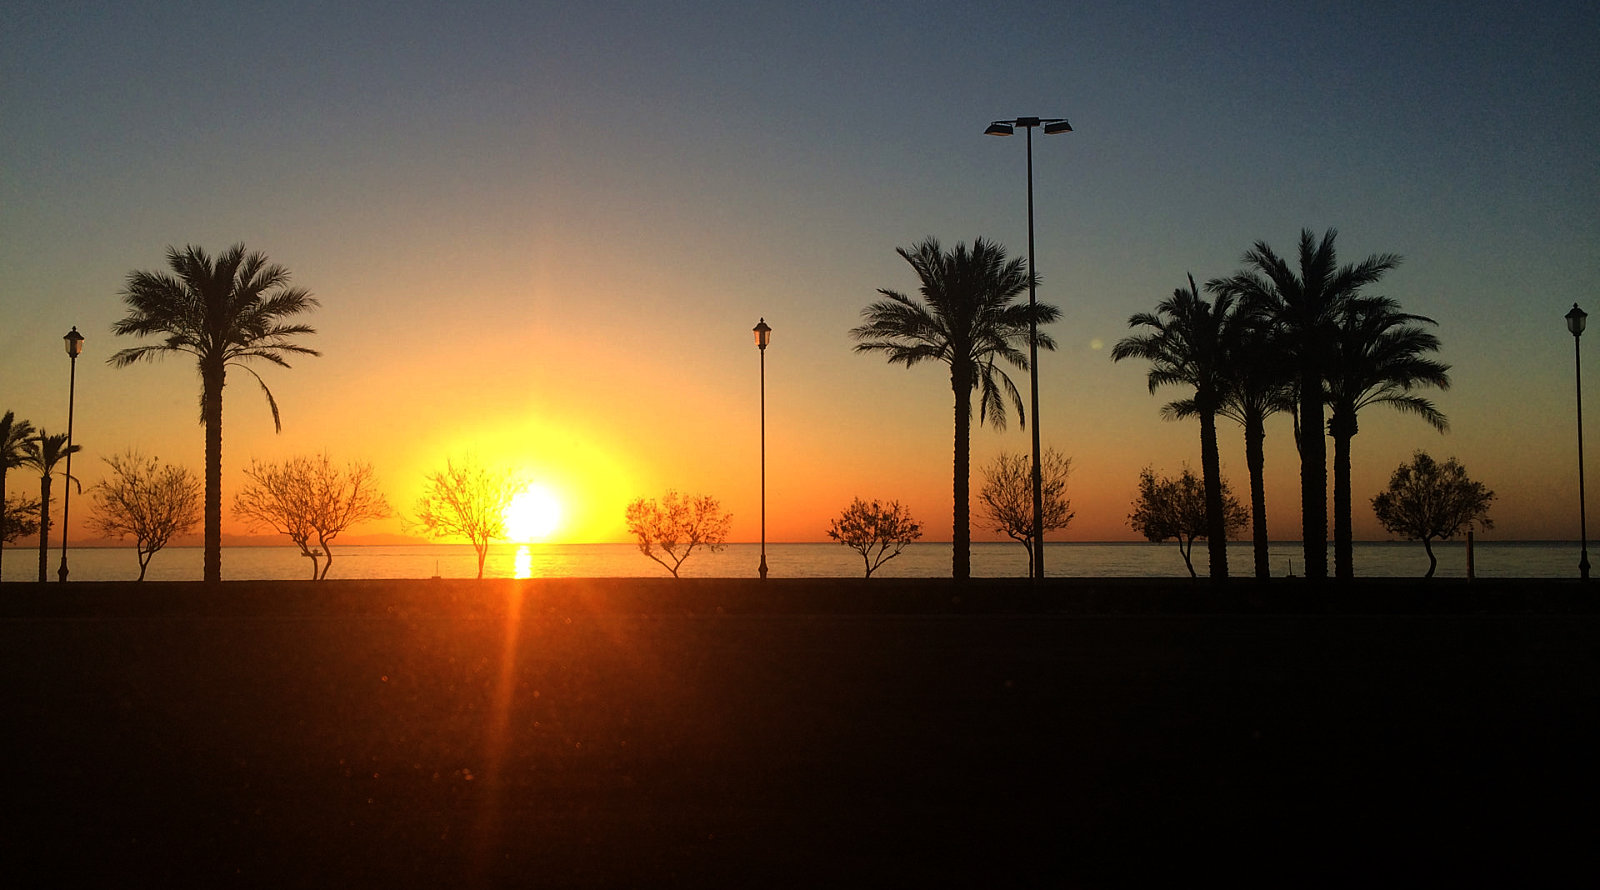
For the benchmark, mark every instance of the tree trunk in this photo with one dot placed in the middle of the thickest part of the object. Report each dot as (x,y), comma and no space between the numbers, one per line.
(1255,435)
(1187,549)
(1313,473)
(1211,479)
(2,518)
(1433,561)
(960,532)
(44,525)
(1343,429)
(213,375)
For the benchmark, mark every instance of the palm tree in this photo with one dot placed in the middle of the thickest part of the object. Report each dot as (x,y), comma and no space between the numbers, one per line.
(1259,384)
(1377,359)
(14,437)
(1186,346)
(1304,305)
(968,319)
(44,452)
(225,312)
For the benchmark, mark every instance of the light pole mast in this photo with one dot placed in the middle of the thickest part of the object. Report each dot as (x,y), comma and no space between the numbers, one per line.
(1051,127)
(763,336)
(74,344)
(1575,324)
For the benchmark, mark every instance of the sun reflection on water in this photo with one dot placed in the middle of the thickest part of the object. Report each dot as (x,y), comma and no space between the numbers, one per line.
(523,567)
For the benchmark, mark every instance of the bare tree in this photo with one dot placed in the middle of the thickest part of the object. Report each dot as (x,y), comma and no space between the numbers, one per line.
(1176,508)
(467,501)
(312,501)
(1007,495)
(147,501)
(673,528)
(879,531)
(1427,500)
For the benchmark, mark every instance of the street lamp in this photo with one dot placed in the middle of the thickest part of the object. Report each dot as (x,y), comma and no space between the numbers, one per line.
(1575,322)
(74,344)
(1051,126)
(763,334)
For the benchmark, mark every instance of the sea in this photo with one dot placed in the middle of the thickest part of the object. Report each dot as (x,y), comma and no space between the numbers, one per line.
(1491,559)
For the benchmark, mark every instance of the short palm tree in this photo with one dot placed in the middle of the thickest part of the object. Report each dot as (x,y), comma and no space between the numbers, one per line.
(224,311)
(1260,383)
(1303,304)
(1185,346)
(14,437)
(1378,358)
(44,452)
(969,319)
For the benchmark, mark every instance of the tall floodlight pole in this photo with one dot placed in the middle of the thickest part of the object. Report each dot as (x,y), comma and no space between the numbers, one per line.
(1575,322)
(74,343)
(1052,126)
(763,336)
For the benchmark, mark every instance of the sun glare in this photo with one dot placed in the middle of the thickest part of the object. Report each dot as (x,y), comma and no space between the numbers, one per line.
(533,515)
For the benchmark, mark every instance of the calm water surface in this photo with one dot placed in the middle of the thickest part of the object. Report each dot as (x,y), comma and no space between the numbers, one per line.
(1123,560)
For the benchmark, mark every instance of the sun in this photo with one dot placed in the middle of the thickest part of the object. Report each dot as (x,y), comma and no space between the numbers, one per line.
(533,514)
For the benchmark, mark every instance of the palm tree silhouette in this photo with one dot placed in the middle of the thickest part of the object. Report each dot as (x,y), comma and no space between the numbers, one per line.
(1377,359)
(1259,383)
(1304,306)
(968,320)
(14,437)
(1186,346)
(225,312)
(44,452)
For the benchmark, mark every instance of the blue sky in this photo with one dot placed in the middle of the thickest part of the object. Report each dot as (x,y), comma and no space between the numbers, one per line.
(539,230)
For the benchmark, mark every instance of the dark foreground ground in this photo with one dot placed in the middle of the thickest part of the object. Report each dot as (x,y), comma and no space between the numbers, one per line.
(733,734)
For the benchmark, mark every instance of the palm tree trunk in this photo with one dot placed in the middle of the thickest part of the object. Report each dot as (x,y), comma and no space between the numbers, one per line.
(2,518)
(960,531)
(1211,478)
(1255,436)
(1343,555)
(44,526)
(213,379)
(1313,475)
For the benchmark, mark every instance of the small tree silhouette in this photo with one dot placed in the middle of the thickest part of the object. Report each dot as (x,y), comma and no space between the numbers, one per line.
(1427,500)
(877,531)
(1007,495)
(1176,508)
(669,531)
(312,501)
(19,519)
(146,501)
(467,501)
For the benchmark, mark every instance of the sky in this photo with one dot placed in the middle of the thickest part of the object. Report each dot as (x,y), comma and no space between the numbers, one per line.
(541,232)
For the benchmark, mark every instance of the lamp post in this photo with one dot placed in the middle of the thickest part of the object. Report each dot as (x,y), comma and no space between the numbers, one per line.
(1575,322)
(763,334)
(1051,126)
(74,344)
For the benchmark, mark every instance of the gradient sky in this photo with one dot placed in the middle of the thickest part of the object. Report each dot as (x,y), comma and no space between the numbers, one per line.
(542,232)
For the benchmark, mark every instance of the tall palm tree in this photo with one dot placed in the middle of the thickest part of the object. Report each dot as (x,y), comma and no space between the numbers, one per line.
(968,319)
(44,452)
(14,437)
(1259,384)
(225,312)
(1185,346)
(1304,305)
(1378,358)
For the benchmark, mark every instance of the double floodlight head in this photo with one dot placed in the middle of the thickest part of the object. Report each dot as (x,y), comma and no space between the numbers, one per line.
(1052,126)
